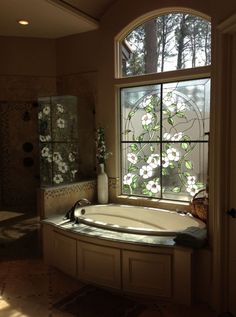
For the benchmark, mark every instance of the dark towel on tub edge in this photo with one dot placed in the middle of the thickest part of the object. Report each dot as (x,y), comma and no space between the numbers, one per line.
(192,237)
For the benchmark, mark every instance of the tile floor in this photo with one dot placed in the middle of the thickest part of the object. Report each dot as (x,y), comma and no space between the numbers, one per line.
(28,287)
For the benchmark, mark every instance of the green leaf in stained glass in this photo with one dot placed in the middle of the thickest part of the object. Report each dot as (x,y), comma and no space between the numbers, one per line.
(149,108)
(186,174)
(167,146)
(176,189)
(164,171)
(184,146)
(180,114)
(132,168)
(189,165)
(170,121)
(145,191)
(134,147)
(134,185)
(156,127)
(126,131)
(131,114)
(166,112)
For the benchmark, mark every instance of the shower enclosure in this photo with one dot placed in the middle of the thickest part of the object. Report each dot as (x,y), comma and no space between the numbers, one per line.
(58,140)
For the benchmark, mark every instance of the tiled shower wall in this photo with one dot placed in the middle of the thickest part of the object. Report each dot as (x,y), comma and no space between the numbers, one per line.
(18,94)
(17,99)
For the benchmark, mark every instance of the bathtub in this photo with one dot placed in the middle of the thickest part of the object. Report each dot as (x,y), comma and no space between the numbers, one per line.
(132,219)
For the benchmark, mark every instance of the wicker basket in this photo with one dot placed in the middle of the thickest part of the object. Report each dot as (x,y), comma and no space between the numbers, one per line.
(199,205)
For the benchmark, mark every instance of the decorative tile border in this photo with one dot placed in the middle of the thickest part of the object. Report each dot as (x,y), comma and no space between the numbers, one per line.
(54,200)
(55,192)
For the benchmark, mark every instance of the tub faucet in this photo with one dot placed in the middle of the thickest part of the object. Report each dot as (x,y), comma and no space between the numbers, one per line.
(80,203)
(83,202)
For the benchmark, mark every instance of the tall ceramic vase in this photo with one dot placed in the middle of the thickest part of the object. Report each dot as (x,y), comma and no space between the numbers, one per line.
(102,185)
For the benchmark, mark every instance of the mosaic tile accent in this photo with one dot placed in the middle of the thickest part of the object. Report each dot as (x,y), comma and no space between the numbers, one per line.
(55,192)
(61,198)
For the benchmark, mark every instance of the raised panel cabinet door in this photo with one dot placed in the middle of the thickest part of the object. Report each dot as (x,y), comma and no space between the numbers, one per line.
(65,254)
(147,273)
(99,265)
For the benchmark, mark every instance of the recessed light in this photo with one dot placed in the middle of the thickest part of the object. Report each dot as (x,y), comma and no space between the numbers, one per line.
(23,22)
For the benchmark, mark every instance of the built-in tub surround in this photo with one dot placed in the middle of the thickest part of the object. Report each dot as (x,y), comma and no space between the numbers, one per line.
(134,263)
(131,261)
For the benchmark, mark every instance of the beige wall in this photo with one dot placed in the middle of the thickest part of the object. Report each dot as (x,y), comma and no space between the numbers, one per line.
(77,53)
(27,56)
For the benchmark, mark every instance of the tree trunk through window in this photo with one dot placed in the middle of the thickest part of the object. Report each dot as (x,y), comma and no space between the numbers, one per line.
(150,28)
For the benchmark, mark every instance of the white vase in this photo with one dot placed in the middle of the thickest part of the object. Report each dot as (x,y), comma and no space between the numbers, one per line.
(102,186)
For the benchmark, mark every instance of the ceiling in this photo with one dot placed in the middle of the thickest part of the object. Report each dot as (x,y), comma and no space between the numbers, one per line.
(51,18)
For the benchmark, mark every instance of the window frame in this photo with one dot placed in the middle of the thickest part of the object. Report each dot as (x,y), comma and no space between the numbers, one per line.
(151,79)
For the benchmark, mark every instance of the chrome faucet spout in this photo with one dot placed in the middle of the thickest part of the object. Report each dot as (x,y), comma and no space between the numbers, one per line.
(84,202)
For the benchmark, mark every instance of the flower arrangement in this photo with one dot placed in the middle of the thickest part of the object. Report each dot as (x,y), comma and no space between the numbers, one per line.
(102,153)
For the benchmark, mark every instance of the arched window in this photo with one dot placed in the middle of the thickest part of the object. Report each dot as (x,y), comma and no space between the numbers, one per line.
(165,117)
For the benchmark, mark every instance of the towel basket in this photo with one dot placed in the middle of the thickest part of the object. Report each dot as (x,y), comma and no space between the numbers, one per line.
(199,205)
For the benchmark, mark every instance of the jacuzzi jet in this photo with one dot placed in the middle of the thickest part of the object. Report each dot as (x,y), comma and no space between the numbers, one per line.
(82,211)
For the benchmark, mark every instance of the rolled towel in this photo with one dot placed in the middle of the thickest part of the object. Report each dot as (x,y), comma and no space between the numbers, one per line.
(192,237)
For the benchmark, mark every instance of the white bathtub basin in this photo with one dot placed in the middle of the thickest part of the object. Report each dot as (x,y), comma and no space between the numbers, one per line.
(142,220)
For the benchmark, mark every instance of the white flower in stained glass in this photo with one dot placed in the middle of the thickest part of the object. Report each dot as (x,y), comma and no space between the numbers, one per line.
(73,172)
(60,108)
(192,189)
(132,158)
(153,186)
(63,167)
(60,123)
(58,179)
(147,119)
(191,180)
(128,179)
(169,102)
(57,158)
(153,160)
(49,158)
(173,154)
(45,152)
(42,138)
(71,157)
(147,101)
(177,136)
(173,104)
(46,110)
(145,171)
(166,136)
(40,115)
(165,161)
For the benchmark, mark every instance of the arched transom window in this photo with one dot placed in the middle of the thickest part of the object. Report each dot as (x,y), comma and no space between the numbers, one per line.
(165,123)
